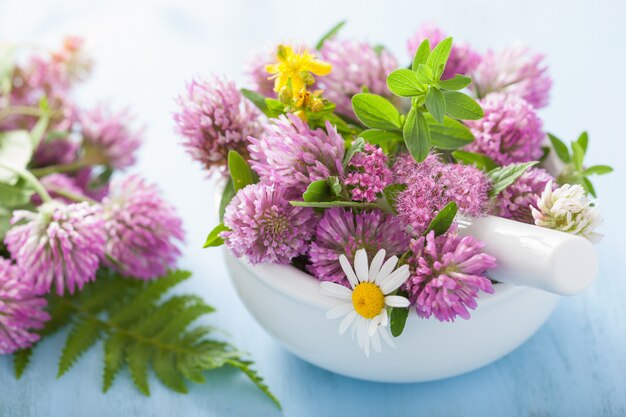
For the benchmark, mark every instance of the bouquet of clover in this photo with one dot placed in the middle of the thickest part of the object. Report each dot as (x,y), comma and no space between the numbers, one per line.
(354,171)
(84,248)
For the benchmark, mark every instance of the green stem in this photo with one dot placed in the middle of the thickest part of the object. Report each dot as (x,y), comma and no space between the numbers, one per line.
(72,196)
(29,178)
(23,110)
(62,168)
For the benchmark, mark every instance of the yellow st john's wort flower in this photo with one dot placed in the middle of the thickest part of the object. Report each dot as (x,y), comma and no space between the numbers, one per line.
(297,66)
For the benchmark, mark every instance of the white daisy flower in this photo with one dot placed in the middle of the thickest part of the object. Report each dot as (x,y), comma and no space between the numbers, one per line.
(365,308)
(569,210)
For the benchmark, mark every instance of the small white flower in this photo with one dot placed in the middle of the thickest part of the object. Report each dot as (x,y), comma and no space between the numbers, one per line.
(365,308)
(569,210)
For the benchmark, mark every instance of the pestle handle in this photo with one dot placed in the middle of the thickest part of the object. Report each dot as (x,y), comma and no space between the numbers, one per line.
(534,256)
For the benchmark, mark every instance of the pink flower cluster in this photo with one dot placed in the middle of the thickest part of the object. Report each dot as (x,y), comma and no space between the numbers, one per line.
(511,130)
(213,118)
(514,202)
(367,174)
(432,184)
(447,273)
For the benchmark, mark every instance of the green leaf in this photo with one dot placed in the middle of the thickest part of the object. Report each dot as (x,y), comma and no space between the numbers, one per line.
(256,99)
(443,220)
(462,106)
(357,146)
(244,366)
(318,191)
(38,132)
(138,360)
(560,148)
(165,369)
(376,112)
(416,135)
(425,75)
(588,186)
(388,141)
(214,239)
(598,170)
(436,104)
(14,195)
(458,82)
(274,108)
(421,55)
(330,34)
(577,156)
(83,336)
(335,186)
(16,149)
(391,194)
(229,193)
(439,56)
(21,359)
(114,356)
(583,141)
(398,316)
(452,134)
(330,204)
(404,83)
(239,170)
(7,68)
(504,176)
(478,160)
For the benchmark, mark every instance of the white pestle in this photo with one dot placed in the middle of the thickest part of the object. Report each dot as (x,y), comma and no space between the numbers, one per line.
(534,256)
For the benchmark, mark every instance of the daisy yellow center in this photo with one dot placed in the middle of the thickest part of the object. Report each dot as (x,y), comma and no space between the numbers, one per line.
(368,299)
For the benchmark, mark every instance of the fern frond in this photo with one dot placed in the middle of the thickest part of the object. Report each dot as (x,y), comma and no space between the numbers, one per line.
(164,364)
(114,355)
(138,359)
(245,367)
(21,359)
(141,331)
(84,335)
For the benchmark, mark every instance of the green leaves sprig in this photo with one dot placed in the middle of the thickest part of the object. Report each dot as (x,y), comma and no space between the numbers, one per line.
(574,171)
(141,329)
(435,104)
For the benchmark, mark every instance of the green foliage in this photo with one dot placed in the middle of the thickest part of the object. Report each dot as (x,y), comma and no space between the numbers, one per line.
(416,135)
(421,55)
(502,177)
(227,195)
(330,204)
(458,82)
(391,193)
(330,34)
(398,316)
(404,83)
(388,141)
(256,99)
(462,106)
(21,359)
(451,134)
(443,220)
(357,146)
(478,160)
(376,112)
(574,170)
(16,149)
(239,170)
(141,330)
(214,239)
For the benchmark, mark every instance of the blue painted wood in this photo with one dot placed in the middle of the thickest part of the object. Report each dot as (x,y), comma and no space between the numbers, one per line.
(574,366)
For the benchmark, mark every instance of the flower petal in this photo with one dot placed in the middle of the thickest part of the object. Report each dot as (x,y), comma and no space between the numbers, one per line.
(376,264)
(347,321)
(361,265)
(375,338)
(387,337)
(395,280)
(396,301)
(339,311)
(318,67)
(335,290)
(386,269)
(347,269)
(373,325)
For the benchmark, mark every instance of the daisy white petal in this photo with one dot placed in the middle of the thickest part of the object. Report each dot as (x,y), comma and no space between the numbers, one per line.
(375,338)
(387,337)
(336,290)
(347,321)
(339,311)
(361,265)
(347,269)
(376,264)
(384,321)
(373,325)
(386,269)
(397,278)
(396,301)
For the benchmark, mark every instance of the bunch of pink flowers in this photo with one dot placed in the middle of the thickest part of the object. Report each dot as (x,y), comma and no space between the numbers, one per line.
(73,219)
(326,184)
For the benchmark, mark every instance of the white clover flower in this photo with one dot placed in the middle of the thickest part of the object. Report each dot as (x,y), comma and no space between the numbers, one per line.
(569,210)
(365,308)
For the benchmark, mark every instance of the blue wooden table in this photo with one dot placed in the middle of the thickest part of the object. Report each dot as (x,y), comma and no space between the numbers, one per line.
(574,366)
